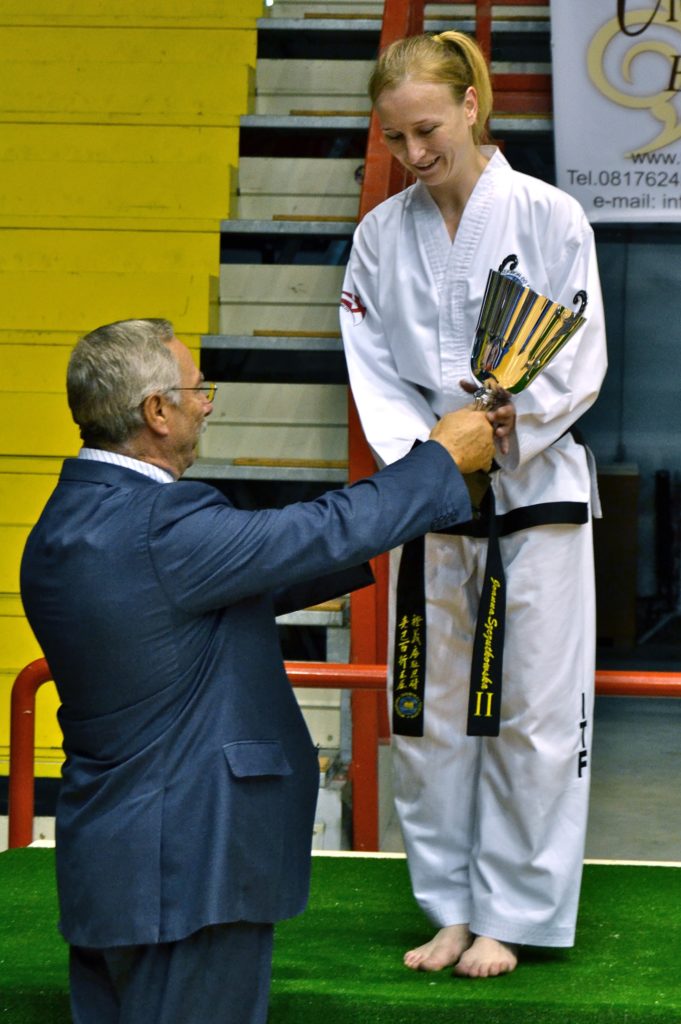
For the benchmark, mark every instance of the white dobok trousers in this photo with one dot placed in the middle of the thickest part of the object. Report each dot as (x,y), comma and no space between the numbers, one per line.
(494,828)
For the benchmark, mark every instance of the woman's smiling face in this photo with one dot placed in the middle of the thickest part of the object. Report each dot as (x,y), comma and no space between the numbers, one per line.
(427,130)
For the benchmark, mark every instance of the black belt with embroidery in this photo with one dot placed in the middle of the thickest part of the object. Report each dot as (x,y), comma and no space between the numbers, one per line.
(409,671)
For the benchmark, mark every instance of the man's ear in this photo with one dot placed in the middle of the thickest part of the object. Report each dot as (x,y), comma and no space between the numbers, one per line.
(154,414)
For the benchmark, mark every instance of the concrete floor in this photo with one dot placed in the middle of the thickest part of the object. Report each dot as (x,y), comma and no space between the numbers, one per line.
(636,780)
(636,783)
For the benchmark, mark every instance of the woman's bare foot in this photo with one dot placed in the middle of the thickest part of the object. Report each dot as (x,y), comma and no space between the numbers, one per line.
(487,958)
(443,950)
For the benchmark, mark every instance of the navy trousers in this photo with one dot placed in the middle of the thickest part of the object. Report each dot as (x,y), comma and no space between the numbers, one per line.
(218,975)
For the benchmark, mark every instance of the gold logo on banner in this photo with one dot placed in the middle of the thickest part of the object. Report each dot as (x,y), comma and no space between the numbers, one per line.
(636,26)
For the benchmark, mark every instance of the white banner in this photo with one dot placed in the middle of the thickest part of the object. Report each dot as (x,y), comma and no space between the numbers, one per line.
(617,106)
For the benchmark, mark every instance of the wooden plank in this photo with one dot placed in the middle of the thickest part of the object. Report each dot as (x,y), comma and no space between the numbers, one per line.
(279,297)
(77,301)
(290,206)
(280,285)
(18,645)
(33,368)
(319,8)
(43,367)
(264,176)
(351,105)
(64,339)
(115,144)
(101,252)
(126,75)
(37,424)
(309,405)
(157,13)
(29,464)
(149,175)
(317,318)
(298,187)
(512,8)
(318,447)
(278,423)
(285,85)
(313,77)
(124,144)
(136,93)
(296,334)
(291,463)
(266,298)
(108,191)
(23,497)
(12,542)
(55,47)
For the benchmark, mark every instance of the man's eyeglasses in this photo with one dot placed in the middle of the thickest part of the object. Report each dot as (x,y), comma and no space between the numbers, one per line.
(208,390)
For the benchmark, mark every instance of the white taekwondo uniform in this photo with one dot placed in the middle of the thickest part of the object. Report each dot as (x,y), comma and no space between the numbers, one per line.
(493,827)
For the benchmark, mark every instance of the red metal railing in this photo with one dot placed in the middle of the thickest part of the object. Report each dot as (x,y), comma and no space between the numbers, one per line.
(367,683)
(363,680)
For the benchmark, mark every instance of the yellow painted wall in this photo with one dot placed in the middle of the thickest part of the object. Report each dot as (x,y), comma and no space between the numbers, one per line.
(118,146)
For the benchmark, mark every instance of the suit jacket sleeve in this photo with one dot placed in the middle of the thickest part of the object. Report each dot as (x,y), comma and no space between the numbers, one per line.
(208,554)
(325,588)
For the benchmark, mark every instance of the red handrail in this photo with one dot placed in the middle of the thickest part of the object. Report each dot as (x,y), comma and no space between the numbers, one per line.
(21,751)
(618,683)
(364,680)
(367,683)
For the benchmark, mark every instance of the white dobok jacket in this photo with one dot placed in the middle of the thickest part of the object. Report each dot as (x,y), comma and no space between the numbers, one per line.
(409,310)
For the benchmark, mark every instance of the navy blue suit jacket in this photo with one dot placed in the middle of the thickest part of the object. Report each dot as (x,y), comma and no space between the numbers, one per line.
(190,779)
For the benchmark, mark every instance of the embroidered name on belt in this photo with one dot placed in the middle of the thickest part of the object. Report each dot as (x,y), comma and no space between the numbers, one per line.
(484,698)
(409,656)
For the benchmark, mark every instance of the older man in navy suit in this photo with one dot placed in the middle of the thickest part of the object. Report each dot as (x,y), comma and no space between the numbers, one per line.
(186,809)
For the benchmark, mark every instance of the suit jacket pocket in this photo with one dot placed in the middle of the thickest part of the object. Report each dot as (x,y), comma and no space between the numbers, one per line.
(253,758)
(256,822)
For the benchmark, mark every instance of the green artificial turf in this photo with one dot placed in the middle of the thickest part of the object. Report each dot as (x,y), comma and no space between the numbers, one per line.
(33,957)
(340,963)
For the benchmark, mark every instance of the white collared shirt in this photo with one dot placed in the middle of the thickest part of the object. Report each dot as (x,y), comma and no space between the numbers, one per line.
(161,476)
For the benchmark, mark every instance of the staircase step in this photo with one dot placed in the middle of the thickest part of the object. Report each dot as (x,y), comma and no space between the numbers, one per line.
(292,461)
(334,226)
(222,469)
(272,298)
(308,122)
(294,342)
(315,86)
(299,187)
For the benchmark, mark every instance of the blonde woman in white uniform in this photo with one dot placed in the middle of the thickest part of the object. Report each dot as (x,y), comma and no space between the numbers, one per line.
(493,827)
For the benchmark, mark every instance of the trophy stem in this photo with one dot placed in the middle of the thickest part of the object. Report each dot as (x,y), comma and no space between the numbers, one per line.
(489,396)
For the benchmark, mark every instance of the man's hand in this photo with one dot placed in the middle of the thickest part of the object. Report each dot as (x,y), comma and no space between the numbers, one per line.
(501,414)
(468,436)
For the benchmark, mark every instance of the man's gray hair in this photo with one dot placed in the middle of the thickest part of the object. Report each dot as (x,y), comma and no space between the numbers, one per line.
(110,373)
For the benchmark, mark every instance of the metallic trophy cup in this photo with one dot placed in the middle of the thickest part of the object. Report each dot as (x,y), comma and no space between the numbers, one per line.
(518,333)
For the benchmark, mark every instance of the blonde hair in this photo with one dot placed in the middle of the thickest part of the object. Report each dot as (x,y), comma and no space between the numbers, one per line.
(450,58)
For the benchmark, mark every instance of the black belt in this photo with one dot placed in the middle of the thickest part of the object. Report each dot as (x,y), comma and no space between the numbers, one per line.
(409,670)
